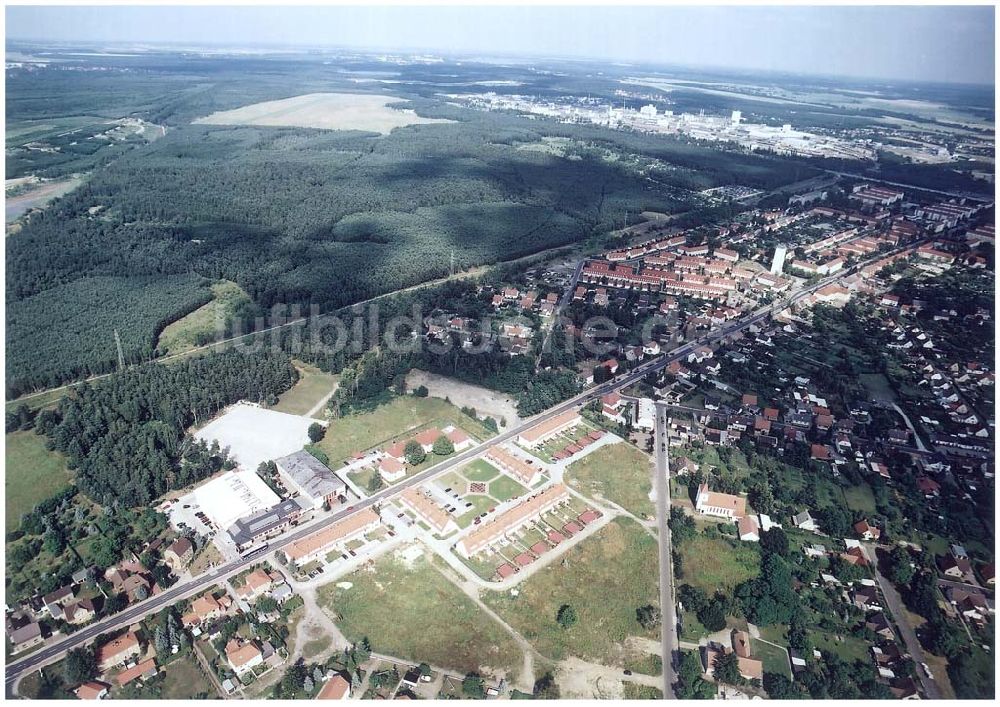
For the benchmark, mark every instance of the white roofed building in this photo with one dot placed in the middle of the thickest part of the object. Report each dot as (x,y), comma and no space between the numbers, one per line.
(234,495)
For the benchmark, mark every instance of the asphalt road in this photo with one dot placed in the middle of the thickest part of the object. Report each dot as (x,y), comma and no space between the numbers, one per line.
(668,604)
(15,669)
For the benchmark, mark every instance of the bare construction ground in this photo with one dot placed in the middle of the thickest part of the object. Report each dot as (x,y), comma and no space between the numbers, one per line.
(483,400)
(328,111)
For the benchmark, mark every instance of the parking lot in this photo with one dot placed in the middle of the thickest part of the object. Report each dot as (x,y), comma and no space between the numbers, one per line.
(253,434)
(474,491)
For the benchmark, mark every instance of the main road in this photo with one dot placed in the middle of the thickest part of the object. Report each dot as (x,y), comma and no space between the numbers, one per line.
(50,653)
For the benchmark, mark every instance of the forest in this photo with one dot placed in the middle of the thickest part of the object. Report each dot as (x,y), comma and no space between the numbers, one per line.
(125,436)
(299,215)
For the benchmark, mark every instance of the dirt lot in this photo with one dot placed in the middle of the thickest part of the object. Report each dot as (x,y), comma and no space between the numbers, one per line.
(329,111)
(483,400)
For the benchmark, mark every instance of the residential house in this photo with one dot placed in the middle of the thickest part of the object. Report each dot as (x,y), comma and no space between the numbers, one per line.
(748,529)
(879,624)
(179,554)
(336,688)
(723,505)
(805,521)
(866,530)
(79,612)
(391,469)
(959,568)
(117,651)
(243,656)
(204,608)
(144,670)
(257,584)
(866,598)
(25,636)
(91,690)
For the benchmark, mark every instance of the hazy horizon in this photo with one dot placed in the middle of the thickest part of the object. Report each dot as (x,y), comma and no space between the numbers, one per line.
(917,44)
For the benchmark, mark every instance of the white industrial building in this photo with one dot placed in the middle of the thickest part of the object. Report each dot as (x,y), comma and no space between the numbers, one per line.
(234,495)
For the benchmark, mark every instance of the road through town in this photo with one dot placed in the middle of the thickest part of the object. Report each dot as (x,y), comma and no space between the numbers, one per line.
(50,653)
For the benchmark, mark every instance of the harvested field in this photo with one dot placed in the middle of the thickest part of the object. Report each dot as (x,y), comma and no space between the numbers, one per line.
(327,111)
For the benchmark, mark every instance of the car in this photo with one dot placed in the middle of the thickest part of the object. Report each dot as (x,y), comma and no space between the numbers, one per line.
(352,553)
(350,508)
(447,490)
(927,670)
(628,672)
(477,521)
(468,505)
(187,505)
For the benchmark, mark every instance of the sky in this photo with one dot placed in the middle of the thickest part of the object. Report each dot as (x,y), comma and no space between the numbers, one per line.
(920,43)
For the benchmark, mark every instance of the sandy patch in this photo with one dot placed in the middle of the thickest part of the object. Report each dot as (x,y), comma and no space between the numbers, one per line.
(328,111)
(483,400)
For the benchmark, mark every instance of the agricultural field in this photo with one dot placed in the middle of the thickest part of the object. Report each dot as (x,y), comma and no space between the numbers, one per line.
(401,417)
(32,474)
(313,385)
(717,563)
(605,579)
(620,473)
(210,322)
(416,613)
(326,111)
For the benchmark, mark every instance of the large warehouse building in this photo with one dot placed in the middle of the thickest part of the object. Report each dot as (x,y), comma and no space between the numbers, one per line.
(234,495)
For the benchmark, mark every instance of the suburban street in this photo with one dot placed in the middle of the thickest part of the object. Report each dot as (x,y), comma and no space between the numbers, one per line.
(668,605)
(49,653)
(895,605)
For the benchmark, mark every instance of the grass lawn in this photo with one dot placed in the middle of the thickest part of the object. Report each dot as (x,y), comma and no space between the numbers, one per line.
(207,323)
(312,385)
(505,488)
(631,691)
(605,579)
(417,614)
(37,401)
(718,564)
(847,647)
(645,663)
(184,680)
(691,628)
(860,498)
(480,504)
(878,386)
(775,659)
(33,474)
(400,418)
(363,477)
(619,473)
(479,470)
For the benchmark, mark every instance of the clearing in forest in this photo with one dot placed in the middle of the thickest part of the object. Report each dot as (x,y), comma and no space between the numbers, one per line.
(328,111)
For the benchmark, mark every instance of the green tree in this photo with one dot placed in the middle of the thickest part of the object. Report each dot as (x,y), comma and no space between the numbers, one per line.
(648,616)
(727,669)
(690,683)
(316,432)
(79,665)
(421,391)
(566,616)
(779,687)
(898,566)
(443,446)
(681,526)
(414,452)
(546,688)
(473,687)
(774,540)
(713,616)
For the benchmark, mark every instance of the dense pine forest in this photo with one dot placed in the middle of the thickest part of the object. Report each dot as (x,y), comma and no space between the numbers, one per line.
(125,436)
